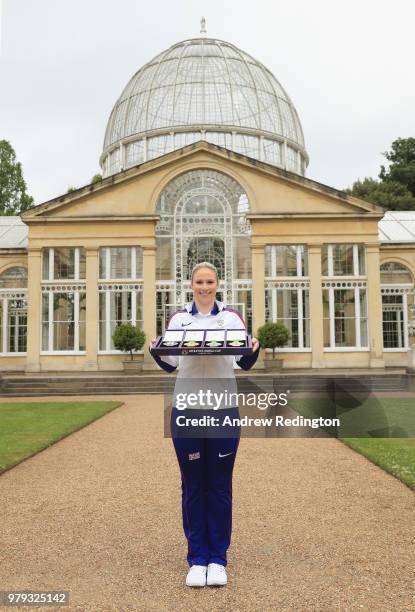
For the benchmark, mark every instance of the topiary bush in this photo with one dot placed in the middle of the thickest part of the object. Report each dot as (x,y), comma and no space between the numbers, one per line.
(273,335)
(128,338)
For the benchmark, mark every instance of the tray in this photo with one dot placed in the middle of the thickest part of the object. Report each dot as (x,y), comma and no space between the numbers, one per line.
(203,342)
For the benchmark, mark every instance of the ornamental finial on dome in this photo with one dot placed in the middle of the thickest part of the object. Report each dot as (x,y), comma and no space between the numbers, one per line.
(203,26)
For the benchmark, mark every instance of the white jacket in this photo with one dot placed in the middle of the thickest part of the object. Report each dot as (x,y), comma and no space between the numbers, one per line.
(205,366)
(197,372)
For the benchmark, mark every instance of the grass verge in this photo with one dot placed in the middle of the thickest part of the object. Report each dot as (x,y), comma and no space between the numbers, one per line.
(29,427)
(395,456)
(380,428)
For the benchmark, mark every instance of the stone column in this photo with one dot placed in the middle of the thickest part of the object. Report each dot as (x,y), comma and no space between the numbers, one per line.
(92,315)
(34,303)
(374,306)
(149,303)
(258,295)
(411,347)
(316,306)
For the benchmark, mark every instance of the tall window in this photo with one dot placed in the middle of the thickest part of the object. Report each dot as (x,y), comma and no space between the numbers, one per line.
(345,316)
(120,291)
(63,320)
(13,310)
(397,289)
(63,299)
(287,300)
(344,301)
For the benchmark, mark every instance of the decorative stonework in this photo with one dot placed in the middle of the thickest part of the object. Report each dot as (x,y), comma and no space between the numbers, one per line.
(343,284)
(120,286)
(396,290)
(285,284)
(64,287)
(13,295)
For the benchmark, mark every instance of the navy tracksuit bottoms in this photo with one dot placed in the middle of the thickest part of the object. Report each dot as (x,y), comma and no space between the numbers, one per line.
(206,466)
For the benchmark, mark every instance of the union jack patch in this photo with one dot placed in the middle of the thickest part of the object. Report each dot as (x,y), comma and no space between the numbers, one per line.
(194,456)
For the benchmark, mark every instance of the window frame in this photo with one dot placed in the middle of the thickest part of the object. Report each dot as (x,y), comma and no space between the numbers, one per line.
(297,283)
(356,261)
(49,291)
(107,289)
(357,318)
(51,264)
(134,253)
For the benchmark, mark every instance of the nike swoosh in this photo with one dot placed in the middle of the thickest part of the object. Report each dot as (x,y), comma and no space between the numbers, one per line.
(184,324)
(227,454)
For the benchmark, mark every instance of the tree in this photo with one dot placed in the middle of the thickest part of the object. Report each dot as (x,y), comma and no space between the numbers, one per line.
(97,178)
(402,166)
(128,338)
(273,335)
(392,195)
(396,188)
(13,196)
(71,188)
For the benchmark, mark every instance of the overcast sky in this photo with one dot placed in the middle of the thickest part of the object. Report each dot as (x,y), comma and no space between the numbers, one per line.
(347,66)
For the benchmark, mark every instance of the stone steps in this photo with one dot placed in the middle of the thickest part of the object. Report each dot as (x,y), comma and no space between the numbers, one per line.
(46,384)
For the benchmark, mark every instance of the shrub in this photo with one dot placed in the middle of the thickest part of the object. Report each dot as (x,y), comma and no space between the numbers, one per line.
(273,335)
(128,338)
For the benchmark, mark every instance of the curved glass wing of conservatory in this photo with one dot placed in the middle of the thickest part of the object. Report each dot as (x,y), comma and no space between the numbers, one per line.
(202,218)
(204,89)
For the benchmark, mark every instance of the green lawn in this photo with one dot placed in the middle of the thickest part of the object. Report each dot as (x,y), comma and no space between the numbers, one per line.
(396,456)
(27,427)
(381,429)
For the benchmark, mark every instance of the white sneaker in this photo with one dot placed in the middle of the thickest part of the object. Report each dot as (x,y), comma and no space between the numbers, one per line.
(216,575)
(196,576)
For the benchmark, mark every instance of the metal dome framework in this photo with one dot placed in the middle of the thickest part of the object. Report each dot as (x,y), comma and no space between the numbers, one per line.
(203,89)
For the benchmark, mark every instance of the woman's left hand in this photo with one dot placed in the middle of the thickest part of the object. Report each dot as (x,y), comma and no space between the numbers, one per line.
(255,344)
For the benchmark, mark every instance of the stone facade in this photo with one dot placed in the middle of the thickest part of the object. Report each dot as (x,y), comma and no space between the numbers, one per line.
(283,209)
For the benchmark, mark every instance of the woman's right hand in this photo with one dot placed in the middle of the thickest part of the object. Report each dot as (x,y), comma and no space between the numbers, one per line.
(152,342)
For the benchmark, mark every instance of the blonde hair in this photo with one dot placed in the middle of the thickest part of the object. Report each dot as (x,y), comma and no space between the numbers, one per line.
(204,264)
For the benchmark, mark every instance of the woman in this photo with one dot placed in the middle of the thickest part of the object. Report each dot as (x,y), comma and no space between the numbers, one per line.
(206,461)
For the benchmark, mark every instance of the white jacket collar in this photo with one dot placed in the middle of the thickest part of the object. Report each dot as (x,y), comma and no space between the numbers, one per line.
(191,307)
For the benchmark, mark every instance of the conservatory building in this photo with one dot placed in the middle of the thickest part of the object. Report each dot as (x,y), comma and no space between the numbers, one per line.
(204,160)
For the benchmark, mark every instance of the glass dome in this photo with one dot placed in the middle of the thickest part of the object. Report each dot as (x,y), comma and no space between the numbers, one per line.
(203,89)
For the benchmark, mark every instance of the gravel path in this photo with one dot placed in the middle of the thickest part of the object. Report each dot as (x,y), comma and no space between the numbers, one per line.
(317,527)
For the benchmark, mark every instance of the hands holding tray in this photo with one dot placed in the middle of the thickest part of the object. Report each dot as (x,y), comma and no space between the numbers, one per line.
(204,342)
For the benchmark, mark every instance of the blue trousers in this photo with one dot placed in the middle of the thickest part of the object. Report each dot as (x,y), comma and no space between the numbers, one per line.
(206,466)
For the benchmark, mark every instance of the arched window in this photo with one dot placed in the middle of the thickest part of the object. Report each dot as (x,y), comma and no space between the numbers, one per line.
(14,278)
(203,218)
(397,289)
(13,310)
(394,273)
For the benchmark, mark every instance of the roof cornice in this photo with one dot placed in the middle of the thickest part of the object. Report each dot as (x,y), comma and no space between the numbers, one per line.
(309,215)
(129,174)
(89,218)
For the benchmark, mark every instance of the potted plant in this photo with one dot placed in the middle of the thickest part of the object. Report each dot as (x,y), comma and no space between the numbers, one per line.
(273,335)
(128,338)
